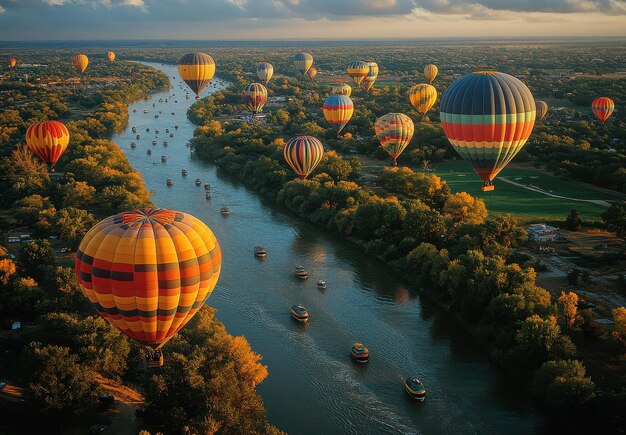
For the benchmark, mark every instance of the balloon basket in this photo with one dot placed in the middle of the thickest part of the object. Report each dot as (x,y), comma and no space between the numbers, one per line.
(488,188)
(154,358)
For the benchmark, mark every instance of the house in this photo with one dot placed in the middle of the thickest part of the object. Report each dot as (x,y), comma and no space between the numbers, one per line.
(542,233)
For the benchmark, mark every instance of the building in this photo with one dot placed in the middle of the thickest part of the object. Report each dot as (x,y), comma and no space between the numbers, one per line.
(542,233)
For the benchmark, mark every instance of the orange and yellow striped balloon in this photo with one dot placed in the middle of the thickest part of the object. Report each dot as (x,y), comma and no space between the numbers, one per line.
(48,140)
(110,56)
(394,131)
(423,97)
(303,154)
(147,272)
(430,72)
(603,108)
(371,76)
(342,89)
(254,97)
(338,110)
(303,61)
(358,71)
(312,72)
(80,62)
(12,62)
(197,70)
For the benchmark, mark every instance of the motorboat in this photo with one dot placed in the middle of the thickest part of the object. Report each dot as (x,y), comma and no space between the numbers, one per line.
(147,129)
(134,110)
(176,127)
(207,186)
(149,151)
(207,196)
(169,182)
(260,252)
(145,110)
(171,134)
(154,142)
(138,137)
(133,145)
(360,353)
(167,130)
(163,159)
(184,172)
(321,285)
(299,313)
(156,116)
(415,389)
(224,210)
(198,182)
(301,272)
(134,129)
(165,143)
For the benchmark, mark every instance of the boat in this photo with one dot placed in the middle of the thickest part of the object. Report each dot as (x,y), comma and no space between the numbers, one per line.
(149,151)
(156,116)
(165,143)
(153,104)
(198,182)
(133,145)
(173,113)
(167,130)
(145,110)
(134,110)
(147,129)
(163,159)
(207,196)
(134,129)
(169,182)
(171,134)
(415,389)
(321,285)
(224,210)
(207,186)
(301,272)
(360,353)
(259,251)
(176,127)
(299,313)
(138,137)
(154,162)
(184,172)
(154,142)
(157,132)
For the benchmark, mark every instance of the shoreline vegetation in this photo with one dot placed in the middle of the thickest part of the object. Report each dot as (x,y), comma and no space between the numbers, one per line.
(64,349)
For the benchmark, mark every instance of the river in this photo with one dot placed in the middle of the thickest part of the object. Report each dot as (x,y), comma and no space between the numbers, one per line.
(313,387)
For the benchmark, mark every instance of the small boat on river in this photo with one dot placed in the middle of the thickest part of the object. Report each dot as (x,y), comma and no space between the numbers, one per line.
(149,151)
(184,172)
(259,251)
(301,272)
(207,196)
(165,143)
(224,210)
(360,353)
(415,389)
(163,159)
(154,142)
(207,186)
(321,285)
(134,129)
(169,182)
(133,145)
(299,313)
(198,182)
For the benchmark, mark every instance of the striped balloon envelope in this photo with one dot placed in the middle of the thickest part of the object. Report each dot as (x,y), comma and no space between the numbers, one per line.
(110,56)
(303,154)
(197,70)
(48,140)
(265,71)
(371,76)
(603,108)
(358,71)
(254,97)
(394,131)
(147,272)
(430,72)
(80,62)
(342,89)
(303,61)
(423,97)
(487,117)
(542,109)
(338,110)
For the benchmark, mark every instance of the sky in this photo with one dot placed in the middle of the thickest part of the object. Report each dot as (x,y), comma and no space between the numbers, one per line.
(23,20)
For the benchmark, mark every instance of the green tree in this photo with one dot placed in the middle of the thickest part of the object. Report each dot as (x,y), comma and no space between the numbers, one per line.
(462,208)
(615,218)
(72,224)
(573,222)
(563,385)
(34,256)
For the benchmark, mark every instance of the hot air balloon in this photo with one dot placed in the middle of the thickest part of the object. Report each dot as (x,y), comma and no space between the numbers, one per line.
(80,62)
(197,70)
(265,71)
(12,62)
(430,72)
(371,76)
(488,116)
(254,97)
(342,89)
(394,131)
(49,140)
(312,72)
(358,71)
(542,108)
(338,110)
(603,108)
(423,97)
(303,154)
(504,58)
(303,61)
(147,272)
(110,56)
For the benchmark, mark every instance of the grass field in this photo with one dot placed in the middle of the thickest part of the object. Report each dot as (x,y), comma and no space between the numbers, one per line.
(525,204)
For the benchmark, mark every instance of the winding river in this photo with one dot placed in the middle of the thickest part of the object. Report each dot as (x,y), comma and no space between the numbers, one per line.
(313,387)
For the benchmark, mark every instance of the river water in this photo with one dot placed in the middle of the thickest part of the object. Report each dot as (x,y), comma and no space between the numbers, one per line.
(313,387)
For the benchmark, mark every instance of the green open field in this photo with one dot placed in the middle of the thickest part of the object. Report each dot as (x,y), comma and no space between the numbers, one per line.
(525,204)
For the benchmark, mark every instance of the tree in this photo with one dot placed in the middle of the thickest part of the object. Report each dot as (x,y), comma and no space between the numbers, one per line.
(540,339)
(73,224)
(7,270)
(619,318)
(33,256)
(569,305)
(78,194)
(563,386)
(462,208)
(60,384)
(615,218)
(573,222)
